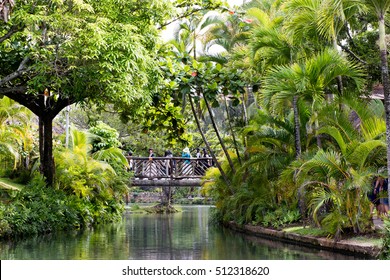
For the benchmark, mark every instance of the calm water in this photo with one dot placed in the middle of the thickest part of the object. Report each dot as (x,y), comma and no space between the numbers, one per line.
(185,236)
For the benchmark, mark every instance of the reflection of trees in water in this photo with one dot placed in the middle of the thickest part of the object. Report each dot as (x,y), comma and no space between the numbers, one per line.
(294,251)
(243,246)
(185,235)
(174,236)
(99,243)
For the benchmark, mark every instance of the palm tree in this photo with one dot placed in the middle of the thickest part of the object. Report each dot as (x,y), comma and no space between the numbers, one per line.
(190,33)
(222,172)
(316,20)
(271,46)
(187,36)
(16,136)
(80,174)
(337,180)
(226,33)
(380,8)
(256,192)
(307,80)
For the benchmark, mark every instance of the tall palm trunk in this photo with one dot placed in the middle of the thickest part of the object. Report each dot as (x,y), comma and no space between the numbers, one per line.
(385,81)
(223,174)
(221,142)
(297,127)
(231,130)
(339,79)
(245,115)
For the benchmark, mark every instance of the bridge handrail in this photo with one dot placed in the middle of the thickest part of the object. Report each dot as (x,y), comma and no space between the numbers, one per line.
(169,167)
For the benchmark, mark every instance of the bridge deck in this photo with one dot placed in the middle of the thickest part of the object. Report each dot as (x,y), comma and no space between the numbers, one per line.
(168,171)
(166,183)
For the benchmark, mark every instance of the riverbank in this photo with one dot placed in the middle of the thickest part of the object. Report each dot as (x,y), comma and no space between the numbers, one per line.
(369,248)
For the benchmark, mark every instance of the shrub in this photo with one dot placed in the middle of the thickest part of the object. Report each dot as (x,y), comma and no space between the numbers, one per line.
(39,209)
(385,253)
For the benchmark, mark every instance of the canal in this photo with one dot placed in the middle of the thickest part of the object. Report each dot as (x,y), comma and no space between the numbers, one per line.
(185,236)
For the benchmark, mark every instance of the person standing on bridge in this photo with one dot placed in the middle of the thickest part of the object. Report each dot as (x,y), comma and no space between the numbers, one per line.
(130,160)
(151,154)
(206,159)
(151,170)
(198,167)
(187,162)
(169,163)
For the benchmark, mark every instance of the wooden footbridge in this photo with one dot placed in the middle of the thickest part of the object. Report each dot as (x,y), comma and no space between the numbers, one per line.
(168,171)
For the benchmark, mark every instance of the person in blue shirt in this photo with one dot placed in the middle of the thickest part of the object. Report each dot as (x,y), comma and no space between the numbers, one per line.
(186,165)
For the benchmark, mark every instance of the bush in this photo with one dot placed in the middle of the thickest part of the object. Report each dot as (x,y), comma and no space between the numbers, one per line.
(279,218)
(38,209)
(385,254)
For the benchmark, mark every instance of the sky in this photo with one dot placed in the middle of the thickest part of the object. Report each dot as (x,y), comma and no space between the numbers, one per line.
(235,2)
(167,33)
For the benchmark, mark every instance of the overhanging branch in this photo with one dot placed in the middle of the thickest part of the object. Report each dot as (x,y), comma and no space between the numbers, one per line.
(187,14)
(60,104)
(19,95)
(344,48)
(10,32)
(21,70)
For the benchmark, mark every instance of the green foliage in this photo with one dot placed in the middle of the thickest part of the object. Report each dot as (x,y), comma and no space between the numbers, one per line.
(37,209)
(335,181)
(255,192)
(365,46)
(16,137)
(77,34)
(78,173)
(385,253)
(278,218)
(78,202)
(106,137)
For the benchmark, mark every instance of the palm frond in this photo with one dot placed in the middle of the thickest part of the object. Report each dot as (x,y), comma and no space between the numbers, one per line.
(362,151)
(111,154)
(327,164)
(373,128)
(335,133)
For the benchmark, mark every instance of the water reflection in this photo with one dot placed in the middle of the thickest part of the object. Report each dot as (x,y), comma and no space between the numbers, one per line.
(185,236)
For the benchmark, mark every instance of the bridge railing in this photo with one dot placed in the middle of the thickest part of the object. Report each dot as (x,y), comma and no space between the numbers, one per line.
(169,167)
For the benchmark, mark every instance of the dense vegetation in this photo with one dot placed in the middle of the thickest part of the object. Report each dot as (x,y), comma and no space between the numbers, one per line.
(279,93)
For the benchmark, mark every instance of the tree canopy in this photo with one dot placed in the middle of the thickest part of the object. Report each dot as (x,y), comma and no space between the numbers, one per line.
(55,53)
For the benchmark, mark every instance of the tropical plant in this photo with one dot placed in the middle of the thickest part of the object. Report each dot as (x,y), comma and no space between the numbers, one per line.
(385,252)
(336,180)
(380,8)
(91,180)
(254,184)
(106,137)
(306,81)
(16,133)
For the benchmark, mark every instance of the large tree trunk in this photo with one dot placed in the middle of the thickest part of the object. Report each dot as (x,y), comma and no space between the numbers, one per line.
(386,84)
(297,127)
(41,139)
(47,160)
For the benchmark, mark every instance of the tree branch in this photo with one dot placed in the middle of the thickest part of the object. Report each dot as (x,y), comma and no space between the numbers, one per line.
(11,76)
(21,70)
(187,14)
(22,65)
(60,104)
(10,32)
(19,95)
(344,48)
